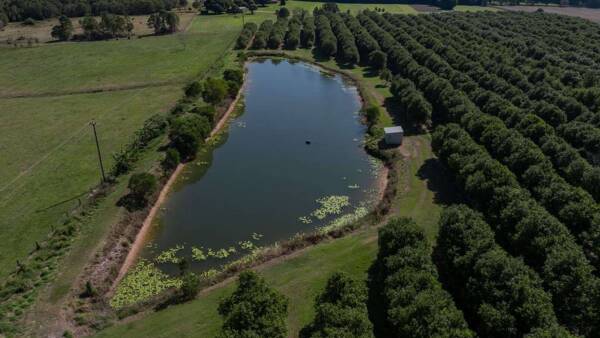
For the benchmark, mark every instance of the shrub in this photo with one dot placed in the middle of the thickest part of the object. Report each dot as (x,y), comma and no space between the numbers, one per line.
(29,22)
(207,111)
(193,89)
(232,89)
(171,160)
(190,287)
(254,309)
(235,75)
(214,91)
(283,13)
(142,185)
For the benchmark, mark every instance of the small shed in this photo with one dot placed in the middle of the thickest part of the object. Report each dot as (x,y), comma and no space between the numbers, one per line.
(393,135)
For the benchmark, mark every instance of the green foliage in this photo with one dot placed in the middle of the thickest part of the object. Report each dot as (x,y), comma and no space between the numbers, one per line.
(187,132)
(254,310)
(500,293)
(193,90)
(414,105)
(232,88)
(207,111)
(283,13)
(164,22)
(341,310)
(190,286)
(234,75)
(125,159)
(142,185)
(110,26)
(143,281)
(246,35)
(447,5)
(405,289)
(261,37)
(45,9)
(171,160)
(377,60)
(215,91)
(64,30)
(325,39)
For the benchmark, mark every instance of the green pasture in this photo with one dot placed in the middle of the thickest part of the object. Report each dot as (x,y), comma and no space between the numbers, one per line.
(47,155)
(61,68)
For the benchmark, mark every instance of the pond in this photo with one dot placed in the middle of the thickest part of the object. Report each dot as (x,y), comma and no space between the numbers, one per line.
(298,142)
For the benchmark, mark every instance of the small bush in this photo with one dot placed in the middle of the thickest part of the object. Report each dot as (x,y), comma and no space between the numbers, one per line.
(29,22)
(235,75)
(171,160)
(193,89)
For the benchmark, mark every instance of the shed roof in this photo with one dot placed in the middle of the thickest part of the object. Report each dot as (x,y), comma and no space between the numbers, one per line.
(393,130)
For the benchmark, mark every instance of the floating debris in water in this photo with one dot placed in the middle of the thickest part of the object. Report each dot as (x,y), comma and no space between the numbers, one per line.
(256,236)
(353,186)
(305,219)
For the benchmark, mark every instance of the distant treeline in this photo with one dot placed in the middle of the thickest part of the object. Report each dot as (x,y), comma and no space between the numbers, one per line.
(585,3)
(19,10)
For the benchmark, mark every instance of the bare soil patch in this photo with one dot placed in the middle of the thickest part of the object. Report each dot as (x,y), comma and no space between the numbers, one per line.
(592,14)
(425,8)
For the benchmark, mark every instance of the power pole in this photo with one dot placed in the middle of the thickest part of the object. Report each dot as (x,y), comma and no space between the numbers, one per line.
(93,124)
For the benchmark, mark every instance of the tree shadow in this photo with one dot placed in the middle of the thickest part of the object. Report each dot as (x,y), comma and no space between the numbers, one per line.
(319,56)
(442,184)
(132,203)
(375,301)
(76,197)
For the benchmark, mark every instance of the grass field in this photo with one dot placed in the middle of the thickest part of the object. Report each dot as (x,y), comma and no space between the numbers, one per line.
(391,8)
(42,29)
(47,157)
(300,279)
(118,64)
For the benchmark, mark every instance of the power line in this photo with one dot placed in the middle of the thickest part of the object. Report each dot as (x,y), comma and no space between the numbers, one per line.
(93,124)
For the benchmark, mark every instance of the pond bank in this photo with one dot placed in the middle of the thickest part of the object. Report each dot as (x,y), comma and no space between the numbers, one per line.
(140,239)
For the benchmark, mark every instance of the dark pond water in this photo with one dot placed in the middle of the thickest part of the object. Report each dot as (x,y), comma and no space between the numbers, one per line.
(265,176)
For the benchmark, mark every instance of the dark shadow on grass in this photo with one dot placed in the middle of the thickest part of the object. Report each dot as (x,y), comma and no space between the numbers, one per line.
(439,182)
(375,301)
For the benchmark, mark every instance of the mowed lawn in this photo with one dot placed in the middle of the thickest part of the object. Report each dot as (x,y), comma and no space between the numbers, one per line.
(300,278)
(47,155)
(75,67)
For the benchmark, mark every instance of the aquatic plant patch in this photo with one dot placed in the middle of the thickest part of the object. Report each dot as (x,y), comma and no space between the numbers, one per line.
(169,255)
(145,280)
